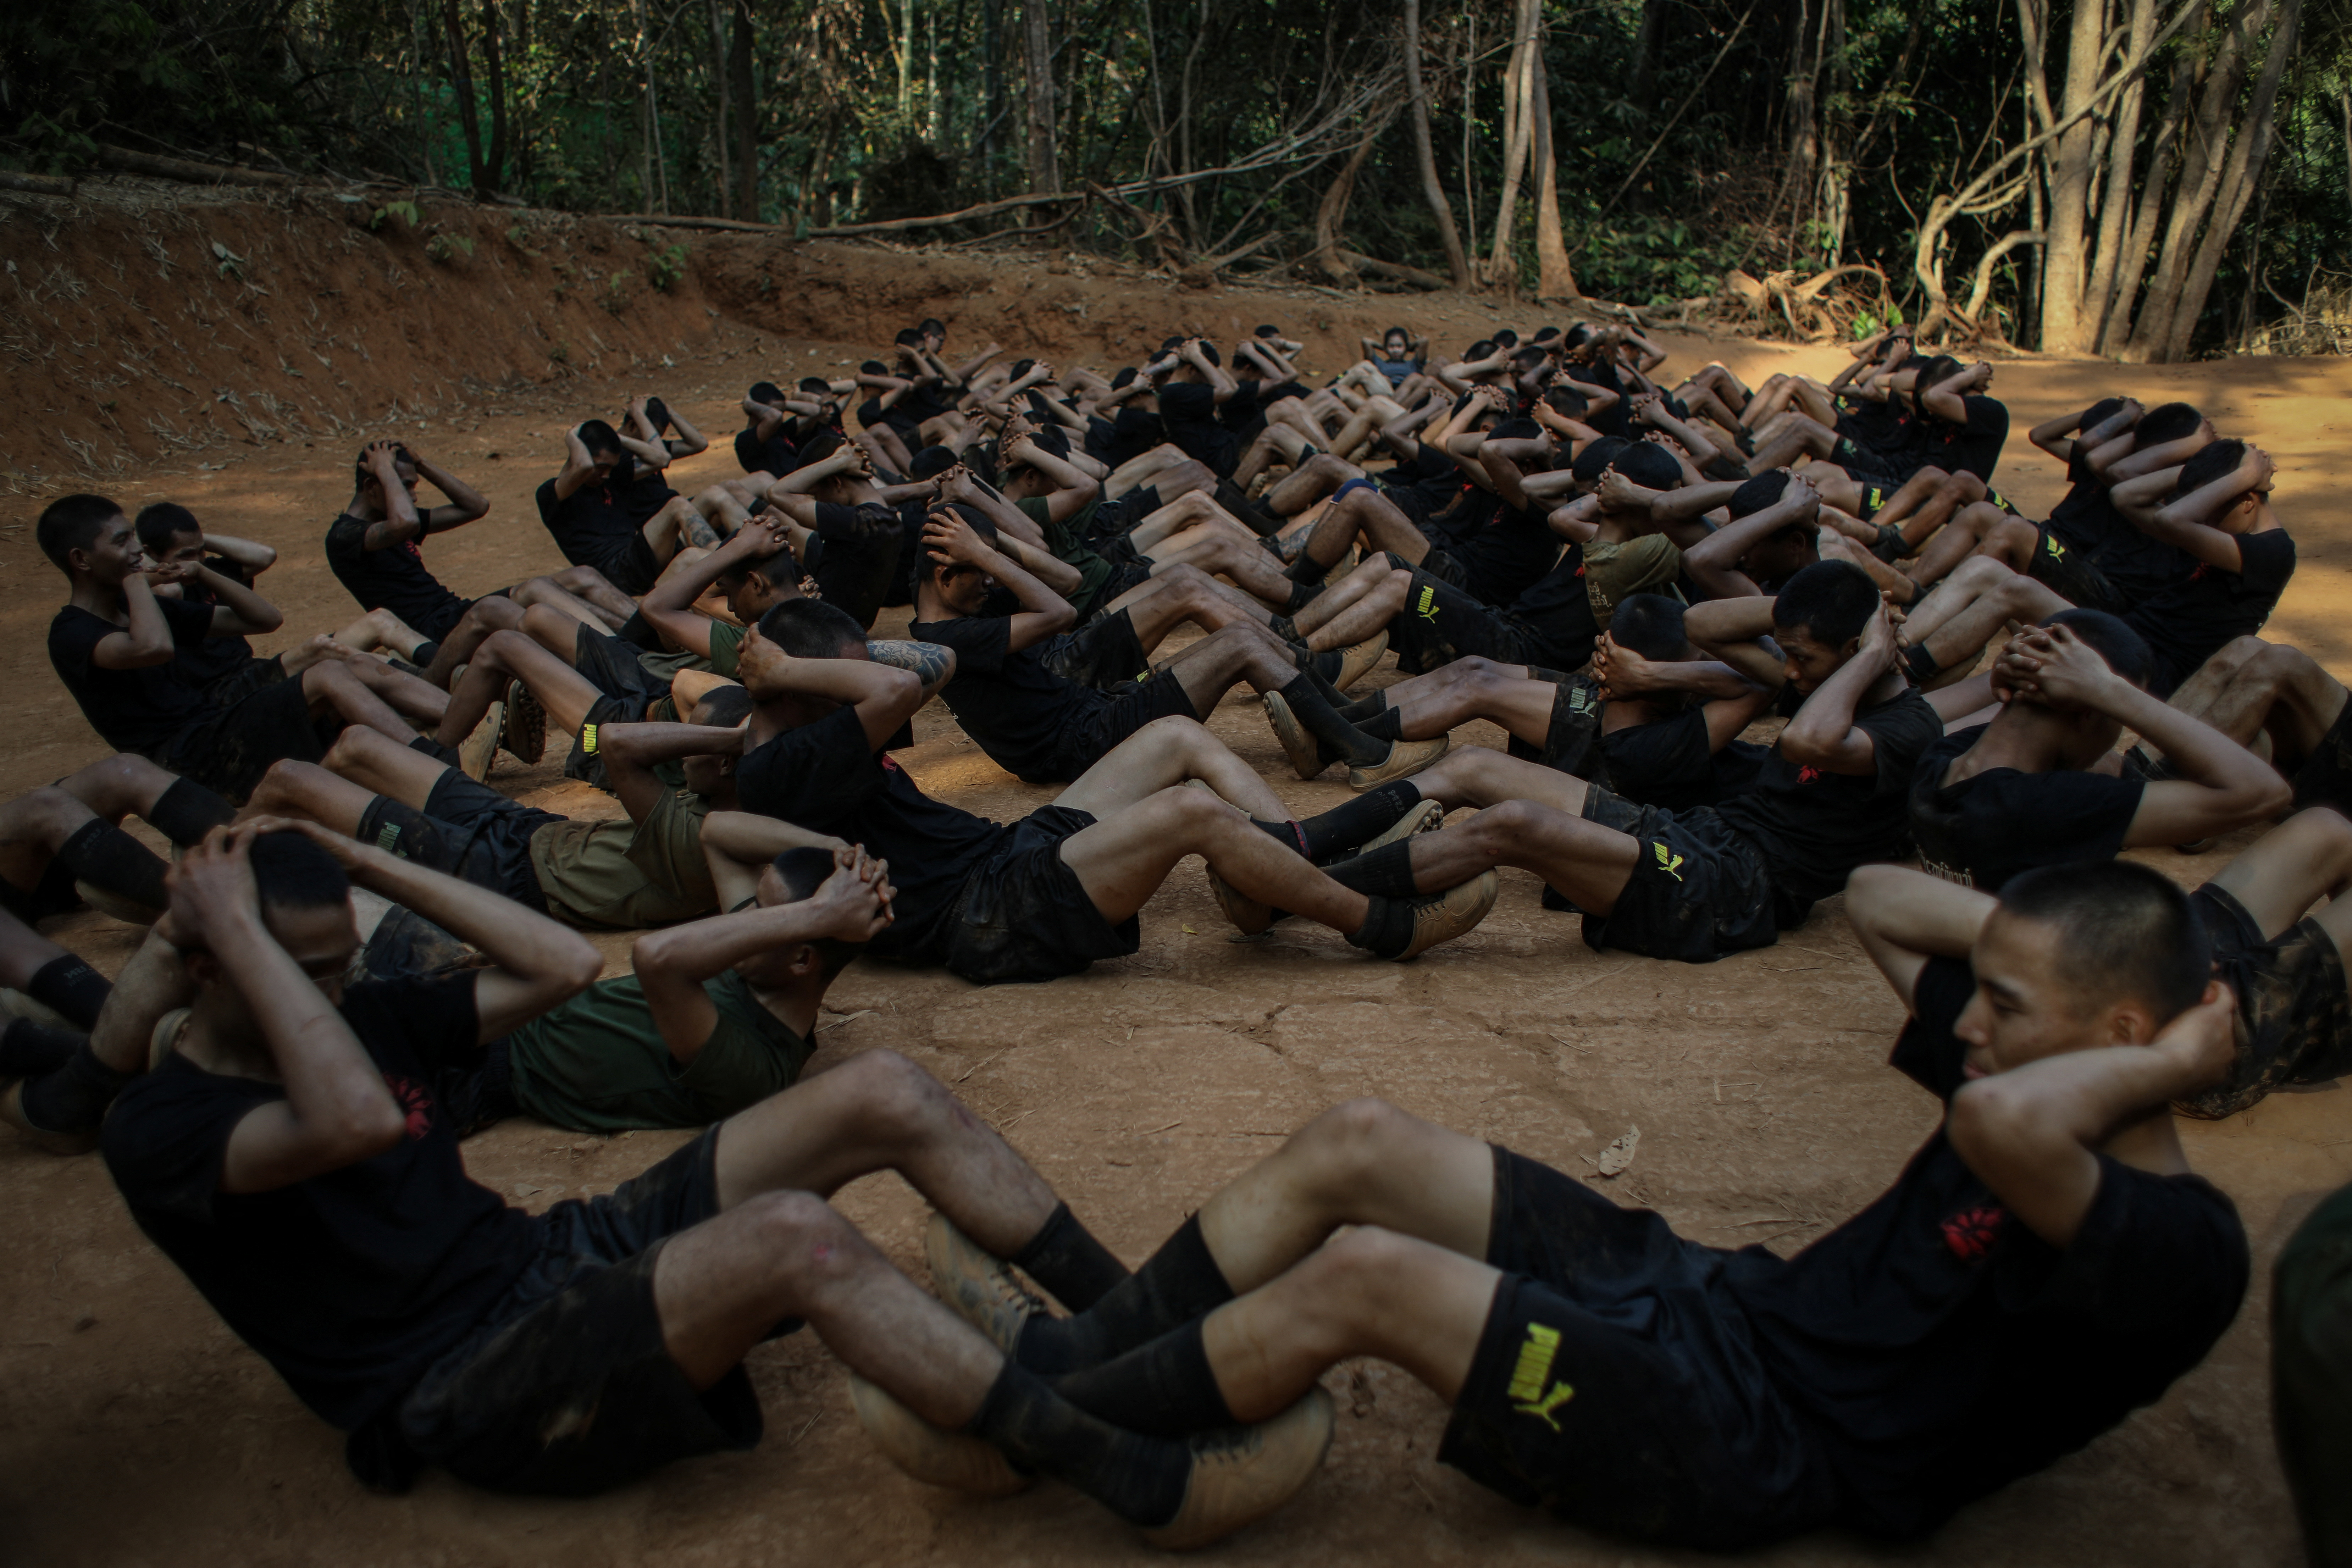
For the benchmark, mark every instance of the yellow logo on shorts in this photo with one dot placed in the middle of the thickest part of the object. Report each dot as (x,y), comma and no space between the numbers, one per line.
(1877,497)
(1671,864)
(2056,551)
(1528,1396)
(1427,608)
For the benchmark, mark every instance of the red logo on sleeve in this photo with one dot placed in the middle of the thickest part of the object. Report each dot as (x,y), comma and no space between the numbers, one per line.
(416,1101)
(1807,773)
(1970,1233)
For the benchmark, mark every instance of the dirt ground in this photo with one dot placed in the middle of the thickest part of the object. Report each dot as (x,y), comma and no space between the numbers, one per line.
(135,1429)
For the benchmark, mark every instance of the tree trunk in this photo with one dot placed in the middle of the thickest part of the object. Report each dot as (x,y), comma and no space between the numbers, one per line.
(743,92)
(718,123)
(905,62)
(1554,277)
(1037,60)
(2249,150)
(2066,327)
(1645,49)
(1457,261)
(492,175)
(2132,262)
(1519,117)
(461,82)
(2200,178)
(992,32)
(1332,212)
(2115,210)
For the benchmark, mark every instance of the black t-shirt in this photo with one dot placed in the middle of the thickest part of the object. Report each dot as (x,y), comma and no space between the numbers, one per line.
(1616,420)
(826,778)
(1974,446)
(1941,1350)
(394,578)
(1189,410)
(1667,763)
(2189,621)
(1504,558)
(1125,436)
(1557,612)
(643,488)
(140,711)
(1007,701)
(212,658)
(354,1282)
(775,456)
(591,525)
(1883,425)
(1982,831)
(1240,414)
(855,556)
(1815,827)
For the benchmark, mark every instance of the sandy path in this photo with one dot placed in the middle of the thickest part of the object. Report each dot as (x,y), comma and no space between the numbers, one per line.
(133,1427)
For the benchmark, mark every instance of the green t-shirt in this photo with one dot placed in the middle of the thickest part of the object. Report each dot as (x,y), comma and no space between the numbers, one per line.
(1613,571)
(597,1064)
(726,641)
(1065,542)
(665,663)
(614,873)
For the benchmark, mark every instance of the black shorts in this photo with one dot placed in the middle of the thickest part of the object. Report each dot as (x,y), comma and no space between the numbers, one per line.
(436,623)
(1025,915)
(565,1387)
(2325,776)
(1700,888)
(1571,743)
(1131,707)
(2294,1020)
(1869,467)
(1616,1382)
(1441,622)
(486,837)
(2069,573)
(243,683)
(1126,578)
(611,665)
(1102,654)
(578,763)
(629,565)
(229,748)
(1445,567)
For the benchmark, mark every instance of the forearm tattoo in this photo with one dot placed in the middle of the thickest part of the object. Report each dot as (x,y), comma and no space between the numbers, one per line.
(928,660)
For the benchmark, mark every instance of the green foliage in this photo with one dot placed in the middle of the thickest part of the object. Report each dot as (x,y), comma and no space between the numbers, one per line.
(664,265)
(1644,260)
(232,265)
(614,296)
(441,247)
(404,211)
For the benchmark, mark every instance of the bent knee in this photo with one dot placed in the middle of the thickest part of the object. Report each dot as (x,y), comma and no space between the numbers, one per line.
(1352,1136)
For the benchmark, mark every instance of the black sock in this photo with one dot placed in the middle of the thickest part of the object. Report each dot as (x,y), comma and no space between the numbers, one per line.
(1245,511)
(70,987)
(106,857)
(426,652)
(446,755)
(74,1098)
(1181,1282)
(1382,873)
(187,811)
(1285,628)
(1064,1258)
(1386,725)
(1323,668)
(1357,712)
(1165,1389)
(1141,1480)
(1315,712)
(29,1047)
(1388,926)
(400,829)
(1346,825)
(1303,594)
(1921,663)
(1306,569)
(1291,836)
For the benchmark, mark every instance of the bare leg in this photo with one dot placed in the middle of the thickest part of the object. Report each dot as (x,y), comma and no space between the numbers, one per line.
(313,792)
(379,628)
(380,766)
(563,692)
(2253,687)
(482,617)
(339,688)
(2302,860)
(1354,608)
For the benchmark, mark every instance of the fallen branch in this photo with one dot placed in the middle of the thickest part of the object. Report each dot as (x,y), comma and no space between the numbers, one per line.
(39,184)
(1394,270)
(161,168)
